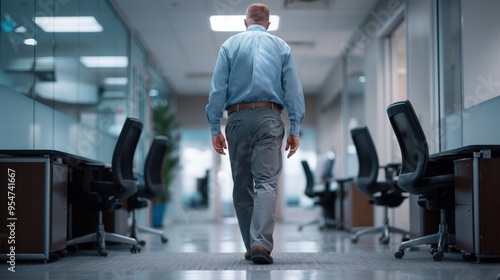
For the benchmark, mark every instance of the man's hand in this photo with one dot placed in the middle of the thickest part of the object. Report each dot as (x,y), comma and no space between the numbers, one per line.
(292,143)
(219,143)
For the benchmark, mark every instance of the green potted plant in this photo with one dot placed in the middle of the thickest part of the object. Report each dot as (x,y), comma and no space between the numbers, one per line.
(165,123)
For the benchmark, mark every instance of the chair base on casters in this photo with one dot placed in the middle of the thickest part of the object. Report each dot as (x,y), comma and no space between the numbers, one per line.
(158,232)
(323,223)
(136,228)
(386,230)
(101,236)
(442,238)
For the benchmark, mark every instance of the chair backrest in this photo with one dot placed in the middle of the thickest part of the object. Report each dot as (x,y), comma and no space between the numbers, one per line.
(367,159)
(309,191)
(153,180)
(412,142)
(122,163)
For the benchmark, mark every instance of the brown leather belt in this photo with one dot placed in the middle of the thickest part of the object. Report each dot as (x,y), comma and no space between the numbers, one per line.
(253,105)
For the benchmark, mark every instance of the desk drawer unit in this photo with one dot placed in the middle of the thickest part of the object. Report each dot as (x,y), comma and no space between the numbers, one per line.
(477,233)
(33,203)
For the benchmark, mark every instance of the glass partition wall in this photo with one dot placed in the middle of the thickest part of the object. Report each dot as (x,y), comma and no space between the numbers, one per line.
(355,109)
(450,74)
(69,77)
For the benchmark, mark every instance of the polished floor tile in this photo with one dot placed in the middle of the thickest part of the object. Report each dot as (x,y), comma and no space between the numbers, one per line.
(224,237)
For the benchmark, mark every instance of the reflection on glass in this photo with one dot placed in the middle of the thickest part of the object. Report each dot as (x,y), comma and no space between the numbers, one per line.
(450,74)
(58,101)
(356,80)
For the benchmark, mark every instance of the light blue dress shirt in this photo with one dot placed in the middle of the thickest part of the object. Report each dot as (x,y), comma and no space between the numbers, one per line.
(255,66)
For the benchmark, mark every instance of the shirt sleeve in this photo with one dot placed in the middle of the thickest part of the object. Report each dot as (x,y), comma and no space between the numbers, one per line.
(218,92)
(294,96)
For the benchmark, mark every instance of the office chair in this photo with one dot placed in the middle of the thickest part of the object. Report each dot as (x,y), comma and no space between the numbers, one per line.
(382,193)
(104,187)
(325,198)
(151,188)
(420,175)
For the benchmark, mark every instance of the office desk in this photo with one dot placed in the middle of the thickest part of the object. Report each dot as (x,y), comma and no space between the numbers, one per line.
(36,187)
(61,157)
(477,173)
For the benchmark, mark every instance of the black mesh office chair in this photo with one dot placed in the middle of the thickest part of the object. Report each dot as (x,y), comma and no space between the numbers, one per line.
(104,187)
(325,198)
(382,193)
(420,175)
(151,188)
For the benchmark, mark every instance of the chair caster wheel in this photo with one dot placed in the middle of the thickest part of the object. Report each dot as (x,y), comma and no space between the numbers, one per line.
(385,240)
(63,253)
(438,256)
(354,240)
(135,249)
(142,242)
(467,256)
(102,252)
(399,254)
(72,248)
(164,239)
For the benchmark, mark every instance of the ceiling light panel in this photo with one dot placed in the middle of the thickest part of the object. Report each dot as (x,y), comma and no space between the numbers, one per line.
(104,61)
(115,81)
(68,24)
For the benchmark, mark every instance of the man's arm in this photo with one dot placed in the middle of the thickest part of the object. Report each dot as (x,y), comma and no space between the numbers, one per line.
(217,96)
(294,103)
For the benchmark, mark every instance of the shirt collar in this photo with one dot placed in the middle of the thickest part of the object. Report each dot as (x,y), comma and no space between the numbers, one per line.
(256,27)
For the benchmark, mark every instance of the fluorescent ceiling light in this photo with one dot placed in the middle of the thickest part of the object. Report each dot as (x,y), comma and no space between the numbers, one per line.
(237,23)
(68,24)
(115,81)
(30,42)
(104,61)
(20,29)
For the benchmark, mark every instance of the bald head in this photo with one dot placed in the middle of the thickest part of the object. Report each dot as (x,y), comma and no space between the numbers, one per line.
(257,13)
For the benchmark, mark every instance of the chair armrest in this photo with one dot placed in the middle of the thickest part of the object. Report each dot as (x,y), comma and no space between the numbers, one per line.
(393,165)
(97,165)
(96,171)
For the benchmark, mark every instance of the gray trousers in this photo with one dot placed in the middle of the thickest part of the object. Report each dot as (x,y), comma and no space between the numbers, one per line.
(255,138)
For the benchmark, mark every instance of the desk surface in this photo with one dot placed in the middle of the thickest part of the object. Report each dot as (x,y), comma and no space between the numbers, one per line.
(67,158)
(467,151)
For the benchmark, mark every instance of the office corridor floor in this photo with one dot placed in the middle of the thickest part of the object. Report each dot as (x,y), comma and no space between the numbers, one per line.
(214,251)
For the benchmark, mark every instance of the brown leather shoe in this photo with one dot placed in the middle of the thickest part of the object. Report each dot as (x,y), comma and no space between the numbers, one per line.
(261,256)
(248,256)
